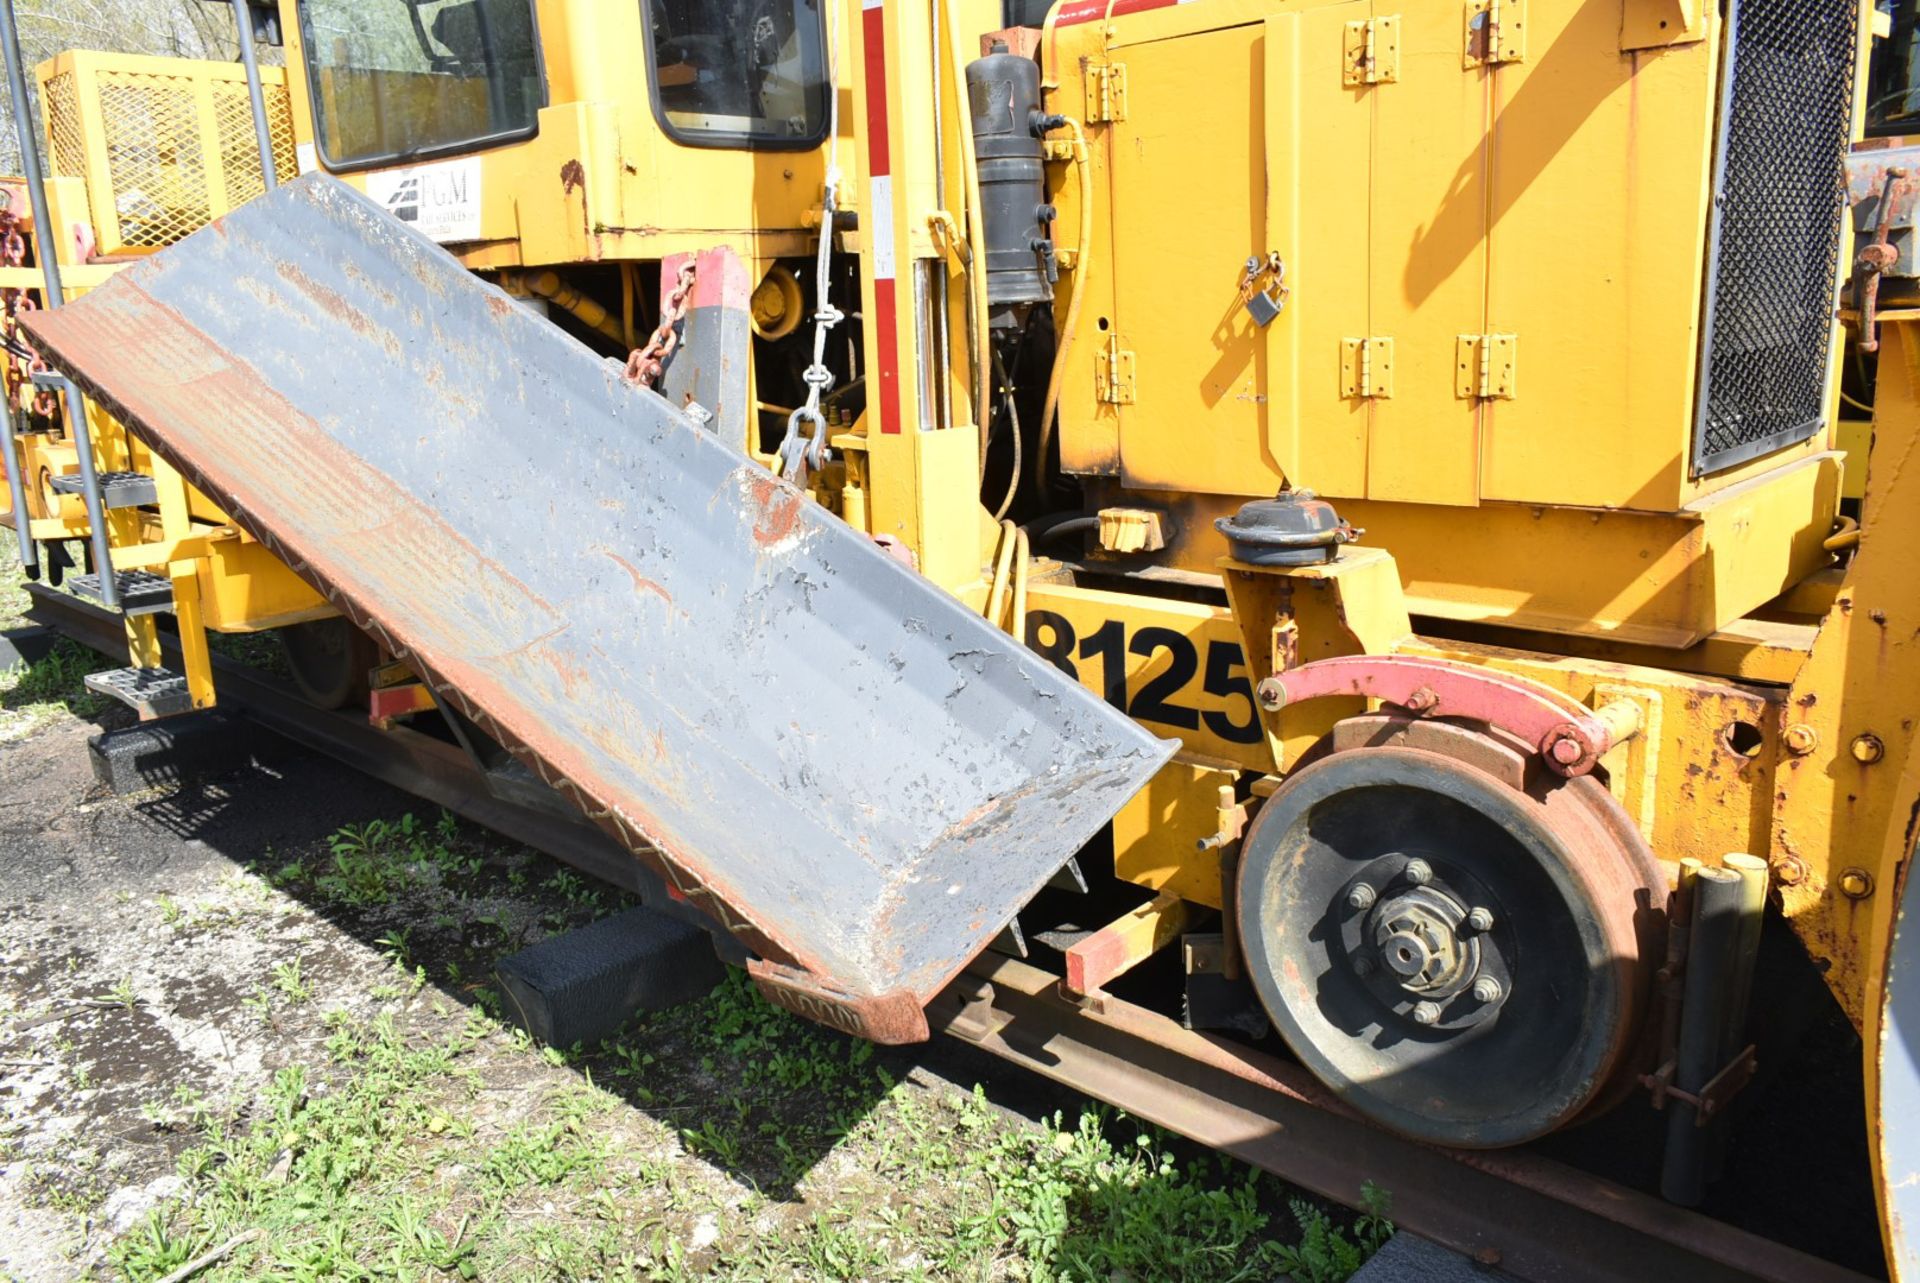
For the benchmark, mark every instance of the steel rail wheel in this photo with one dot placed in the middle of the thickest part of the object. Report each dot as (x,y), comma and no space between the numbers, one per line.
(1460,947)
(329,660)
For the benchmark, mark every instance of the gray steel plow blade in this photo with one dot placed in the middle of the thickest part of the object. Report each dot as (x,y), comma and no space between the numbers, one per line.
(846,767)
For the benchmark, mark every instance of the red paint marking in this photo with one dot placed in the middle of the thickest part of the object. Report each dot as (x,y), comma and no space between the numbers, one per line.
(874,54)
(1094,10)
(883,306)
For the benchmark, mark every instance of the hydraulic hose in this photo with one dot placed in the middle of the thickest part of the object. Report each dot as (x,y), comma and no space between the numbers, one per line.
(549,286)
(1013,421)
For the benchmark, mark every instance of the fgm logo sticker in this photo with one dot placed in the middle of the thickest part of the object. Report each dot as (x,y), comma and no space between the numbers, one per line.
(441,201)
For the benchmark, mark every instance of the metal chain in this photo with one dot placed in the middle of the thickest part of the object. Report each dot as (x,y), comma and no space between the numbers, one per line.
(645,365)
(22,360)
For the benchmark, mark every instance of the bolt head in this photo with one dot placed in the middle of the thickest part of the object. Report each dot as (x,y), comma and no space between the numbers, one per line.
(1800,739)
(1480,918)
(1856,884)
(1361,896)
(1271,694)
(1486,989)
(1362,965)
(1418,872)
(1789,871)
(1868,748)
(1566,751)
(1425,1013)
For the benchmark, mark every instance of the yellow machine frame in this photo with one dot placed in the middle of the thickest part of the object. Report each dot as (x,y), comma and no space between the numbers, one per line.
(1418,192)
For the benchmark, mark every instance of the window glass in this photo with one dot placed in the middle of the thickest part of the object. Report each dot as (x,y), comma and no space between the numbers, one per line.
(732,72)
(398,78)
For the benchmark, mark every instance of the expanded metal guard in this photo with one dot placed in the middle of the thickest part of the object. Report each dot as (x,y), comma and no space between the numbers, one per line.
(1774,237)
(165,145)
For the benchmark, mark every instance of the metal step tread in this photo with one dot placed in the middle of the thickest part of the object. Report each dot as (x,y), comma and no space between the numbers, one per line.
(150,692)
(117,489)
(141,592)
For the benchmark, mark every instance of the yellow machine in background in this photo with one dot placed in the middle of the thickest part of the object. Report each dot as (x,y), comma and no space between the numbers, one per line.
(144,151)
(1430,417)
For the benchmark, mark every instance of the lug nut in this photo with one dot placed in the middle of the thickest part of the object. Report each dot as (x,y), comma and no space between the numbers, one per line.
(1418,872)
(1425,1013)
(1362,965)
(1479,919)
(1361,897)
(1486,989)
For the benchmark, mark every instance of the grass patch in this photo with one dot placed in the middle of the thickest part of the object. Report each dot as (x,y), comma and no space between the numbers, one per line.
(32,695)
(419,1137)
(13,577)
(376,1164)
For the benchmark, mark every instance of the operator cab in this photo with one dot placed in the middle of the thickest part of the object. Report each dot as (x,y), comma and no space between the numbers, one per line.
(730,73)
(407,79)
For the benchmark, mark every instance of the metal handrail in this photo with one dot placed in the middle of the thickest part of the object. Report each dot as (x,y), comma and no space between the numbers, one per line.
(243,24)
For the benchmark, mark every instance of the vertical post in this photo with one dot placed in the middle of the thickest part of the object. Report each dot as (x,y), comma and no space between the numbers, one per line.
(46,246)
(262,137)
(17,492)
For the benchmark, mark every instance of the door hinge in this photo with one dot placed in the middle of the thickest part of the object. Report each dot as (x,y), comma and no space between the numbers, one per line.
(1496,32)
(1486,366)
(1366,367)
(1113,375)
(1106,92)
(1371,53)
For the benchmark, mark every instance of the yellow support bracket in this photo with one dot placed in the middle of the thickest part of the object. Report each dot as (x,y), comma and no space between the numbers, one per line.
(145,556)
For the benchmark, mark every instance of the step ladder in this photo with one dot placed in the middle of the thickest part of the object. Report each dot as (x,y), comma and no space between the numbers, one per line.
(126,491)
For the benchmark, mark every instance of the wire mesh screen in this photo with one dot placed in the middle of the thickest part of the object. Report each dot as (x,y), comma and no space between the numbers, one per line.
(1775,235)
(173,140)
(239,147)
(62,108)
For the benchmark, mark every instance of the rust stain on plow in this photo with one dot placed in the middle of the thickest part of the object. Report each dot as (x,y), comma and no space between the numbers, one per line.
(640,581)
(778,509)
(821,785)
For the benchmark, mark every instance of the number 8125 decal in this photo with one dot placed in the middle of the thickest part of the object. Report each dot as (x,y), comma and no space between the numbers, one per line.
(1163,698)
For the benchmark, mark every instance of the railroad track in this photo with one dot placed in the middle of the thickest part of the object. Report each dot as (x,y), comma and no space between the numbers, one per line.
(1533,1217)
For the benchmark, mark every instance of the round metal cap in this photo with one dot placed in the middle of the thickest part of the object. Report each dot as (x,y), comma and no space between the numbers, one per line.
(1294,528)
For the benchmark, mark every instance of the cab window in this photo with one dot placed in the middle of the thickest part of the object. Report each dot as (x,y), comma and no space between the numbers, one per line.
(396,79)
(733,73)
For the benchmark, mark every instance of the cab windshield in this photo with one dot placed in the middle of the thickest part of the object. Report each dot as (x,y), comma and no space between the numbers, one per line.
(739,72)
(392,79)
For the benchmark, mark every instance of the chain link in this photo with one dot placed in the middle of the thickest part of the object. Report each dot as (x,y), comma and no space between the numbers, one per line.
(646,364)
(22,360)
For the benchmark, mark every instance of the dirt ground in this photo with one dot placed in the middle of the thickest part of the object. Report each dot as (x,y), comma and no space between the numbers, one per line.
(259,1013)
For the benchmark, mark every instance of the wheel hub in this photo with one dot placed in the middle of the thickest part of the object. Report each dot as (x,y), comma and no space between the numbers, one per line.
(1416,942)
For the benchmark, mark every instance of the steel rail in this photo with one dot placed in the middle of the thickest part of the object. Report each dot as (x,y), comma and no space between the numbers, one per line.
(1532,1217)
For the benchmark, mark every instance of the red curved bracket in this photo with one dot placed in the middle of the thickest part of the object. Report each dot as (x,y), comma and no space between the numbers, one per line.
(1566,733)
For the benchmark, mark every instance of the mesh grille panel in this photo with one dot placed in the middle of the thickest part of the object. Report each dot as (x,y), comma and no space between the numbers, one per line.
(1775,241)
(239,153)
(63,127)
(154,157)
